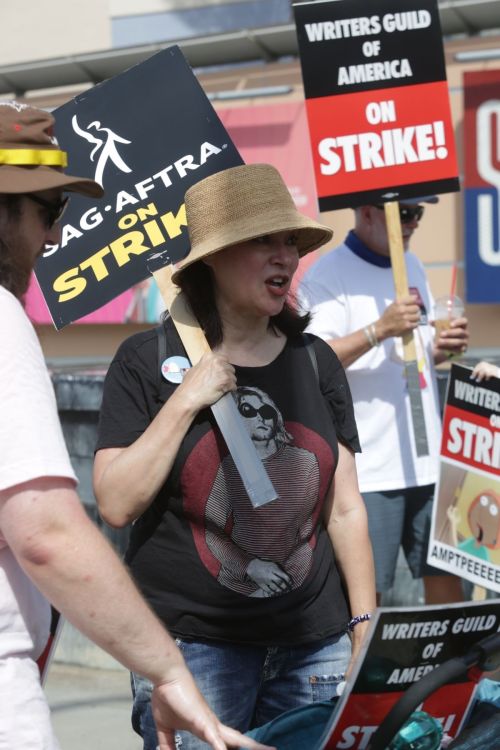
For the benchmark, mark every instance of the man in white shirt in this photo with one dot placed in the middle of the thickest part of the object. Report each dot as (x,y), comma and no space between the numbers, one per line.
(350,294)
(48,546)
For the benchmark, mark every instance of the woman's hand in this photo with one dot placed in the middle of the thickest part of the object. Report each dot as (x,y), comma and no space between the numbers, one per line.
(122,501)
(207,382)
(485,371)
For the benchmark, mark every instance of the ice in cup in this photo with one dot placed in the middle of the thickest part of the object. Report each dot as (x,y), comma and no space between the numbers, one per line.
(446,309)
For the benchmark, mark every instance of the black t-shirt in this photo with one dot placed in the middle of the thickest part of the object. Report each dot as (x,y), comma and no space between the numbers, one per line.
(201,553)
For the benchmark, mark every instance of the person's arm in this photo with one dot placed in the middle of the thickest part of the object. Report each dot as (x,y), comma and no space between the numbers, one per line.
(347,525)
(398,318)
(72,564)
(451,342)
(126,480)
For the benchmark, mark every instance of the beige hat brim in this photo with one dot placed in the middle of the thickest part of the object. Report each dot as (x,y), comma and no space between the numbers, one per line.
(239,204)
(15,179)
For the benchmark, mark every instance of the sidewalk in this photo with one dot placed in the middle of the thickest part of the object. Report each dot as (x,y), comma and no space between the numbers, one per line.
(91,708)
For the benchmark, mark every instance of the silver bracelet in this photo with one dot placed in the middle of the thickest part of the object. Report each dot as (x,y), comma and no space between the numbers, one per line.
(371,335)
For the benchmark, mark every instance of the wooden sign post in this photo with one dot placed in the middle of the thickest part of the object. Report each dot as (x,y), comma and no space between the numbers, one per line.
(395,238)
(250,467)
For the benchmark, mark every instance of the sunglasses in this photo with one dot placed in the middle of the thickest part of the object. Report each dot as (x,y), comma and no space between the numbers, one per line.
(408,213)
(53,211)
(248,411)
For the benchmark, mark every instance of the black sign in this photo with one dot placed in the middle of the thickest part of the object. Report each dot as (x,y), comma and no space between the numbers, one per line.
(146,135)
(401,649)
(358,46)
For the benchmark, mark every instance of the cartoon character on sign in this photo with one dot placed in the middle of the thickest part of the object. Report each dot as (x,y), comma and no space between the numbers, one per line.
(106,144)
(483,521)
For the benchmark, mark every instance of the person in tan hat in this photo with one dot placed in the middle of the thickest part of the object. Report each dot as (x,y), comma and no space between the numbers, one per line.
(48,546)
(255,596)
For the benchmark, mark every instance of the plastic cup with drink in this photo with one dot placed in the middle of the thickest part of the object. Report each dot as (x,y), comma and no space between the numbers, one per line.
(446,309)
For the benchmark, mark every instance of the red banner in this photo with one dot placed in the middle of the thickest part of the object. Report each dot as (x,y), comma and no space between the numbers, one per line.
(376,139)
(471,439)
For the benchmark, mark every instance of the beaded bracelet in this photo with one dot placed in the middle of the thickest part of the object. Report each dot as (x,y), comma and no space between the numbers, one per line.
(356,620)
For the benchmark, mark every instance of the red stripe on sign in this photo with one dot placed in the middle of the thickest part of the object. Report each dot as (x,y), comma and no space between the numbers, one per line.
(470,439)
(376,139)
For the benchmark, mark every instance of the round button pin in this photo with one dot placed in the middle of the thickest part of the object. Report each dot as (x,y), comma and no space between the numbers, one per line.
(174,368)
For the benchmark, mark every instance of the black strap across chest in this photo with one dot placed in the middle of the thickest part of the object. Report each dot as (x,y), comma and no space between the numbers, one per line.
(161,336)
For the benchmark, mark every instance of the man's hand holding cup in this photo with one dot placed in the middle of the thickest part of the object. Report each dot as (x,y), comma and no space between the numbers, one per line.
(452,335)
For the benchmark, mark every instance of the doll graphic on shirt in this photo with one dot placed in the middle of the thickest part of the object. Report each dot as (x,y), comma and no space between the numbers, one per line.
(264,551)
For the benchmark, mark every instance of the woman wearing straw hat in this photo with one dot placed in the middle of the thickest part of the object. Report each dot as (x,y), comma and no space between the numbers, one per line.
(265,602)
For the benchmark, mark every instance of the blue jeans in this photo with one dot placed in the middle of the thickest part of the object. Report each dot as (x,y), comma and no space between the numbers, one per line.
(247,686)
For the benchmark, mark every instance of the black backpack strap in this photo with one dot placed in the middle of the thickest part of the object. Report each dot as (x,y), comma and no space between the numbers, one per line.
(161,336)
(309,347)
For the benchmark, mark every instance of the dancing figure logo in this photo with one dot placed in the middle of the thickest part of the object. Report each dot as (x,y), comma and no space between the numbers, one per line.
(105,148)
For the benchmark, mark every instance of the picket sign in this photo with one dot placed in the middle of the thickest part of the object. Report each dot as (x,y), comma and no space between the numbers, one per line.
(361,121)
(247,461)
(396,248)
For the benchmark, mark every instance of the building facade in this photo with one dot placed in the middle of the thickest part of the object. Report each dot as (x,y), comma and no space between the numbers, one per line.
(245,55)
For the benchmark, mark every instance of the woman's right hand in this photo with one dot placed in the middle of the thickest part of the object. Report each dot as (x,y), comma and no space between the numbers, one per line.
(207,381)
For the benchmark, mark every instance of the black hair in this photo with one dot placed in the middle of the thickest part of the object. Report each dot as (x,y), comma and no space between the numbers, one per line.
(14,276)
(196,282)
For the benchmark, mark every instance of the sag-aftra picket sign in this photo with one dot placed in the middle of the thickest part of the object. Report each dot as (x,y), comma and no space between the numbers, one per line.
(146,135)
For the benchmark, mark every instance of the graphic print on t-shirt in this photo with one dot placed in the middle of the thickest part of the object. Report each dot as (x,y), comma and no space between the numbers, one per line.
(264,551)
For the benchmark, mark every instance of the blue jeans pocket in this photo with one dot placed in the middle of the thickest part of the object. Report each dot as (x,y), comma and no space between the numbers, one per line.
(324,687)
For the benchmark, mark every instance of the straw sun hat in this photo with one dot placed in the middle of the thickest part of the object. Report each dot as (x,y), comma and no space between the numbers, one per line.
(239,204)
(30,157)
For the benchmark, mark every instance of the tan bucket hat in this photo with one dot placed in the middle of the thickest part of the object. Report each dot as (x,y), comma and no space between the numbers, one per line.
(241,203)
(30,157)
